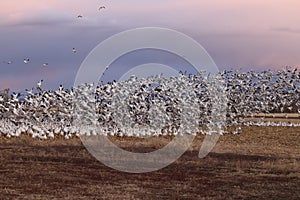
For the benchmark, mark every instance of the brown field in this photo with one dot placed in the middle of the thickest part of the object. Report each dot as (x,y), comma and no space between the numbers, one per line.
(260,163)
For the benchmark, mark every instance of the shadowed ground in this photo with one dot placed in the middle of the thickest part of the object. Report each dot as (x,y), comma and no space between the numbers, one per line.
(260,163)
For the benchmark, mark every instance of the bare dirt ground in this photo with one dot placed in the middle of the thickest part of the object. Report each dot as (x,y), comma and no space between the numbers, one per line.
(260,163)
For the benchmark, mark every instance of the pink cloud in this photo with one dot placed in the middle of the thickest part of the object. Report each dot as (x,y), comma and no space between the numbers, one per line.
(262,33)
(214,15)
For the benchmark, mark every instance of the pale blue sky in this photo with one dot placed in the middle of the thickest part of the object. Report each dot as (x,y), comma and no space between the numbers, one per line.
(237,34)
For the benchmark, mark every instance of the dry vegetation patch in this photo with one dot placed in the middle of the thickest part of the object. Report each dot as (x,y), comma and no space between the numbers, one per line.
(262,162)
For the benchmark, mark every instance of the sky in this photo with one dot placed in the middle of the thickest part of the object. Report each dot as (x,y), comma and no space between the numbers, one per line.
(237,34)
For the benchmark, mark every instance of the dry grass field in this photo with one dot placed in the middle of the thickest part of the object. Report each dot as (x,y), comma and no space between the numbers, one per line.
(260,163)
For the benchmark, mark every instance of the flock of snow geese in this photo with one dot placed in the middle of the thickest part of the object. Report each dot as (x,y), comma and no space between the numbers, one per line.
(27,60)
(100,8)
(46,64)
(186,104)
